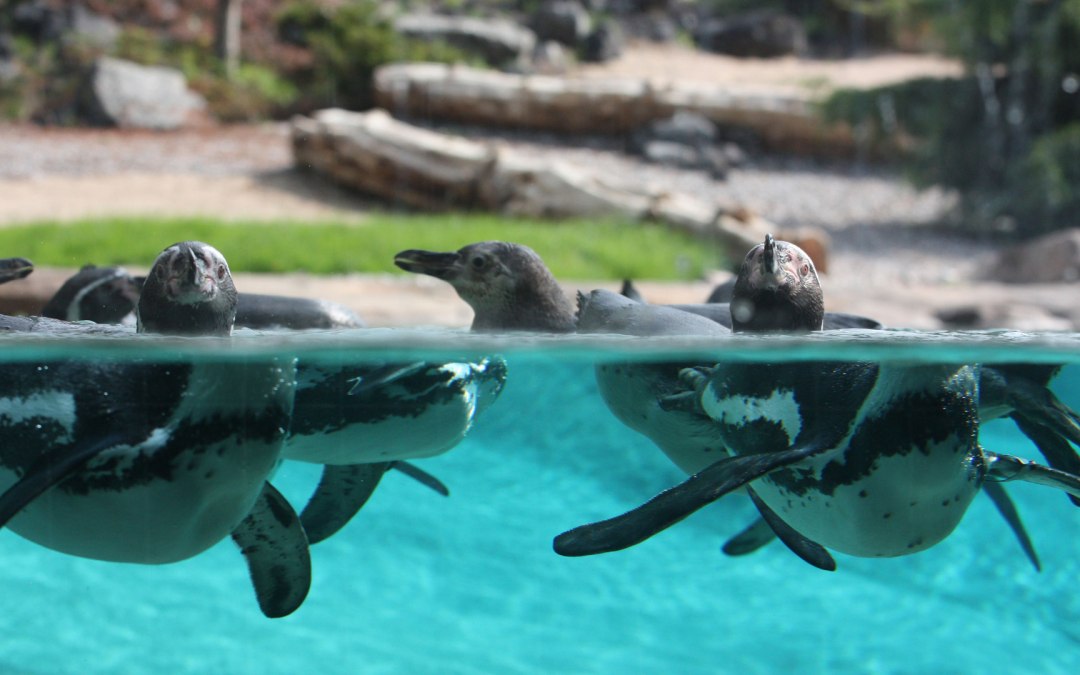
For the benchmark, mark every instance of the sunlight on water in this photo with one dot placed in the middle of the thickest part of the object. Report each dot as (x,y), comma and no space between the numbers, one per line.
(419,583)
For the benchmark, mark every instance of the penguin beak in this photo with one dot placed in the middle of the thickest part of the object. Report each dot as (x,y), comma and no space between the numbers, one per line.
(14,268)
(439,265)
(191,281)
(773,274)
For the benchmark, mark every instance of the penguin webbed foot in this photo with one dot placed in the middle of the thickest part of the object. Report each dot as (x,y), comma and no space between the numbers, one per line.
(810,551)
(1005,506)
(421,476)
(275,547)
(687,401)
(1004,468)
(753,537)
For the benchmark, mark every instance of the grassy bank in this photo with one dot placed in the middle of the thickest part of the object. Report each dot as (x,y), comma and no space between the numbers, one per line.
(573,249)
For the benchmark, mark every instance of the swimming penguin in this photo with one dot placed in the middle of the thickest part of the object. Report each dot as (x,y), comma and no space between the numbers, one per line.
(872,460)
(154,462)
(357,432)
(509,288)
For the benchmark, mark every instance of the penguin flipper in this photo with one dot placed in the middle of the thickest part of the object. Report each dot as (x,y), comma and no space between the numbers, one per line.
(807,549)
(1005,506)
(421,476)
(1057,451)
(276,549)
(1007,467)
(342,492)
(50,470)
(753,537)
(674,504)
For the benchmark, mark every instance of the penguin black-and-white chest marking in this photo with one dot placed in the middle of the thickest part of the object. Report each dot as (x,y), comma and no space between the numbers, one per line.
(895,474)
(195,445)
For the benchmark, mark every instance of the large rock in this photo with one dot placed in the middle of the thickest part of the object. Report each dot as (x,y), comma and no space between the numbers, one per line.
(604,44)
(757,34)
(498,41)
(89,28)
(1053,258)
(564,21)
(125,94)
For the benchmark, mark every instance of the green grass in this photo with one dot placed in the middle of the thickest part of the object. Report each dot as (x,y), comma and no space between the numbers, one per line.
(572,249)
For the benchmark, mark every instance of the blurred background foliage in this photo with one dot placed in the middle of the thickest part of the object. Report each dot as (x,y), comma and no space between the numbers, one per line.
(1006,135)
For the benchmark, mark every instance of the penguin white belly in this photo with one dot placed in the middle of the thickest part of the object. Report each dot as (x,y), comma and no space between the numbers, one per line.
(907,503)
(181,488)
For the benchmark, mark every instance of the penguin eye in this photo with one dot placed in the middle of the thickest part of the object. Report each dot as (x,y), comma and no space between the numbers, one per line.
(221,272)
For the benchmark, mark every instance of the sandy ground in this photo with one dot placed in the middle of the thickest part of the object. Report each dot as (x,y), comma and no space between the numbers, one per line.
(664,64)
(884,262)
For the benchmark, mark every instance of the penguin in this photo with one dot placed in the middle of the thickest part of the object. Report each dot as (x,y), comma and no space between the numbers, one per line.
(153,462)
(109,295)
(507,285)
(358,447)
(494,279)
(869,459)
(105,295)
(14,268)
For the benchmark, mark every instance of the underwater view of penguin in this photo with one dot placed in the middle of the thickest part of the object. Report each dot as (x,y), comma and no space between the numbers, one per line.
(155,459)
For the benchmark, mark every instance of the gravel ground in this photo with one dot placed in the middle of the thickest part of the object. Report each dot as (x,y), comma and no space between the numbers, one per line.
(881,229)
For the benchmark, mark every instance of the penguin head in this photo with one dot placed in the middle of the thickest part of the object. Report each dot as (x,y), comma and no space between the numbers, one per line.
(507,285)
(14,268)
(189,291)
(777,290)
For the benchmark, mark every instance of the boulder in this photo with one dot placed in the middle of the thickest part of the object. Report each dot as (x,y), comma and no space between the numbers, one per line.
(686,140)
(499,42)
(1053,258)
(125,94)
(564,21)
(89,28)
(603,44)
(550,58)
(762,34)
(38,20)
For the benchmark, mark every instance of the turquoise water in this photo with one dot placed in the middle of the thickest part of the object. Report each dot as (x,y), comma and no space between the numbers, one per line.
(419,583)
